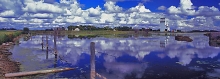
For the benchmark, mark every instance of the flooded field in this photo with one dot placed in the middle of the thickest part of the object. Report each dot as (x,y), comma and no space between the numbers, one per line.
(129,57)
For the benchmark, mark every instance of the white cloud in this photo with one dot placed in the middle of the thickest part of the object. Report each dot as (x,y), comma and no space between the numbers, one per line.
(122,15)
(111,7)
(18,20)
(208,11)
(3,19)
(217,17)
(174,10)
(122,21)
(94,12)
(10,5)
(42,15)
(40,7)
(7,13)
(75,9)
(36,20)
(106,18)
(187,7)
(71,12)
(183,23)
(162,8)
(59,19)
(78,19)
(139,8)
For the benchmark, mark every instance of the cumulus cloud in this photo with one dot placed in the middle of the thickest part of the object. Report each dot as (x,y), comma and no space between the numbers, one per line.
(40,7)
(7,13)
(187,8)
(42,15)
(162,8)
(49,1)
(208,11)
(71,12)
(19,20)
(139,8)
(111,7)
(93,12)
(3,19)
(35,20)
(105,17)
(175,10)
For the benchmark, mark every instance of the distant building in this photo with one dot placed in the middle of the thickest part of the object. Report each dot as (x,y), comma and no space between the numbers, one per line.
(77,29)
(66,28)
(164,25)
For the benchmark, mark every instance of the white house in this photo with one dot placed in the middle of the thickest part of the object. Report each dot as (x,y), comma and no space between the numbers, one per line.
(77,29)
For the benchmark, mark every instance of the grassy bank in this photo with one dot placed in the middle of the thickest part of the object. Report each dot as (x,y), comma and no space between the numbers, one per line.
(85,33)
(106,32)
(103,33)
(8,36)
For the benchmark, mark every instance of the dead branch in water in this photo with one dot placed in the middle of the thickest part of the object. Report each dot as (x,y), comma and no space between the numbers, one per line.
(36,72)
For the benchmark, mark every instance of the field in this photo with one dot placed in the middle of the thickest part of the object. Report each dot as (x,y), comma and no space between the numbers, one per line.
(103,33)
(7,36)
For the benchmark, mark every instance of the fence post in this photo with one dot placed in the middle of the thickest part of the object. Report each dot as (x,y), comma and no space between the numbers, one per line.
(55,47)
(42,44)
(92,60)
(47,47)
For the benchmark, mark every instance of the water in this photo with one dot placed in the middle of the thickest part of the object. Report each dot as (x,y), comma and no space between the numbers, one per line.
(152,57)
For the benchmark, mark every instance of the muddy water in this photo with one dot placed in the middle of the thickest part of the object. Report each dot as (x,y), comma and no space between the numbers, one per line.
(152,57)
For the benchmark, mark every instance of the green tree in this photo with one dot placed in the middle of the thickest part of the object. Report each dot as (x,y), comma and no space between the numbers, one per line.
(25,30)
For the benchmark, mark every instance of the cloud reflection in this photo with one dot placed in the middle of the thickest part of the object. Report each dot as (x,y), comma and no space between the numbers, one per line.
(139,48)
(113,48)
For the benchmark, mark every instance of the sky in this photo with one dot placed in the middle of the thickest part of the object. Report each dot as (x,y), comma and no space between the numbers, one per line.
(42,14)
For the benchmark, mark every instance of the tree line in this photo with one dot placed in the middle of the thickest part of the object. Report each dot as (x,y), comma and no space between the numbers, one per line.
(8,29)
(89,27)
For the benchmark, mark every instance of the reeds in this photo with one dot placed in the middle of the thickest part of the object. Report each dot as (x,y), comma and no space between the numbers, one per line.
(8,36)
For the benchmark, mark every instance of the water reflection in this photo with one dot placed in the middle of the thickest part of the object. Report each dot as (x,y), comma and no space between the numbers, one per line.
(133,57)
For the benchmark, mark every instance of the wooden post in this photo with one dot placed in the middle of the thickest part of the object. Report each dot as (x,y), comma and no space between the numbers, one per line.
(31,36)
(42,44)
(55,41)
(55,47)
(47,47)
(92,60)
(93,73)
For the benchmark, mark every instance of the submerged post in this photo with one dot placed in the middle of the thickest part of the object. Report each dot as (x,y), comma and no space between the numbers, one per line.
(42,44)
(55,47)
(92,60)
(47,47)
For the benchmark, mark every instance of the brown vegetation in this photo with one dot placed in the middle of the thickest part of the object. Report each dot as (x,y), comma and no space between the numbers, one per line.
(183,38)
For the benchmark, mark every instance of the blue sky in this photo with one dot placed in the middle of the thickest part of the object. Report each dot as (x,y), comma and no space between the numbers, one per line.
(179,14)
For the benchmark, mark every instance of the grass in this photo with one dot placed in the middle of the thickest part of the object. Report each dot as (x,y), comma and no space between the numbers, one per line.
(8,36)
(102,33)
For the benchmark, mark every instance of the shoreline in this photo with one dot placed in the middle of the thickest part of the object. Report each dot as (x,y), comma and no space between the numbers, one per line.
(6,64)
